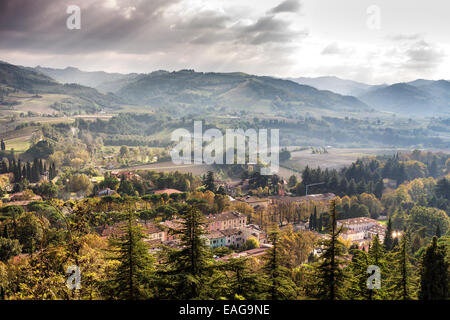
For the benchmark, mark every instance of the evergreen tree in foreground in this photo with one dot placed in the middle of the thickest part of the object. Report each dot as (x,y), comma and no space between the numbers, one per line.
(132,277)
(189,269)
(330,272)
(280,284)
(403,279)
(434,273)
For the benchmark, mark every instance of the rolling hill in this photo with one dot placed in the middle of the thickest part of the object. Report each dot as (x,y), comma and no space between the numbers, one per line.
(14,77)
(419,98)
(230,91)
(335,84)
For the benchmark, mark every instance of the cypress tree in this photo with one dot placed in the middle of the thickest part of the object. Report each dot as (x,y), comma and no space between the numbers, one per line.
(319,223)
(433,272)
(438,232)
(315,219)
(388,241)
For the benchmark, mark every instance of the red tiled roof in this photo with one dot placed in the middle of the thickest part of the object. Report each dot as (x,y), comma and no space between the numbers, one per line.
(168,191)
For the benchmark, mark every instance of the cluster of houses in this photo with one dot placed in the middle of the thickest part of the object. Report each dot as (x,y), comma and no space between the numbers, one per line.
(230,229)
(226,229)
(361,229)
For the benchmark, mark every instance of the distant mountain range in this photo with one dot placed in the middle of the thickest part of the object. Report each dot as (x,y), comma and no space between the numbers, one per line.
(29,80)
(418,98)
(187,90)
(335,84)
(190,91)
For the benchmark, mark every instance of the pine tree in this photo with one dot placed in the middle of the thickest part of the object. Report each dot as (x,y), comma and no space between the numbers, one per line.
(245,282)
(388,241)
(280,284)
(188,270)
(403,281)
(377,257)
(358,289)
(379,189)
(209,182)
(330,272)
(352,188)
(434,273)
(133,275)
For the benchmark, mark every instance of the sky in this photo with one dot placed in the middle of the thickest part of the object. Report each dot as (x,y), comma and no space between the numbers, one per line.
(375,41)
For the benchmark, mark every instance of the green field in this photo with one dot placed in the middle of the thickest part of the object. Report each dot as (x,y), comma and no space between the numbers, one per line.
(20,144)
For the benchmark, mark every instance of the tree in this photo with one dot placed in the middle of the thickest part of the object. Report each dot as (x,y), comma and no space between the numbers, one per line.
(330,272)
(47,190)
(133,274)
(9,248)
(3,146)
(403,281)
(388,240)
(251,243)
(434,272)
(244,282)
(209,182)
(80,183)
(280,285)
(189,269)
(126,187)
(379,186)
(352,187)
(292,181)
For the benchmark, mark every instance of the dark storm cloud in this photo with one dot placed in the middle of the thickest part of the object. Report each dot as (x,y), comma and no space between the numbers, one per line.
(128,26)
(287,6)
(40,25)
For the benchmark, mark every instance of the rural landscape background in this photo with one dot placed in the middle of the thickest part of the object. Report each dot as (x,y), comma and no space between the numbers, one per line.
(93,207)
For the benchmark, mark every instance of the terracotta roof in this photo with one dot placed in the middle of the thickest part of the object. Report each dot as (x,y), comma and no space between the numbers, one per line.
(168,191)
(215,235)
(173,224)
(228,215)
(230,232)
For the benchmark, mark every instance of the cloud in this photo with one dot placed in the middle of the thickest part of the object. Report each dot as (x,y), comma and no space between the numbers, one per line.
(287,6)
(414,53)
(335,48)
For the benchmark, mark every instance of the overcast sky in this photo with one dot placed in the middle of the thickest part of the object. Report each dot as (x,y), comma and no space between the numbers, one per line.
(288,38)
